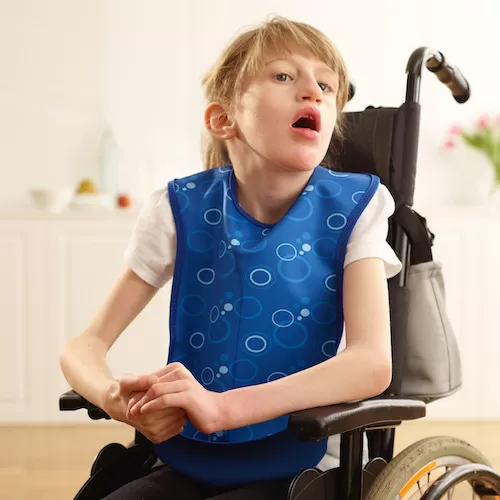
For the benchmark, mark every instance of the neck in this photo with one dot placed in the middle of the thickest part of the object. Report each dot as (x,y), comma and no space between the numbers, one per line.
(267,194)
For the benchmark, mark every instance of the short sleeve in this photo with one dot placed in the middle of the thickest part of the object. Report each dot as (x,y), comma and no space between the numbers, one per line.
(369,236)
(152,246)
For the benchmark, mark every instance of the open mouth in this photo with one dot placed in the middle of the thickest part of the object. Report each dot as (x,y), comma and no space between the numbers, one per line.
(308,119)
(306,122)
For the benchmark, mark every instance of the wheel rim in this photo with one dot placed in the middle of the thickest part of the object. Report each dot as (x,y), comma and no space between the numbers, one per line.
(429,473)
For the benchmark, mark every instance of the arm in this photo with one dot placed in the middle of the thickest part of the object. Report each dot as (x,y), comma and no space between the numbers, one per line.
(150,258)
(361,371)
(83,359)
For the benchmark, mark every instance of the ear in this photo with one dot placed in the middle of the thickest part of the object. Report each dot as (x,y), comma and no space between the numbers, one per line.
(219,123)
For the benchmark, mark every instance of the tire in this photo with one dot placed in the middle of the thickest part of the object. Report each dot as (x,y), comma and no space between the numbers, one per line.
(403,470)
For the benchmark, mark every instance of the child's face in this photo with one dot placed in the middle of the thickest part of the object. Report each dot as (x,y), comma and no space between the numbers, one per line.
(288,88)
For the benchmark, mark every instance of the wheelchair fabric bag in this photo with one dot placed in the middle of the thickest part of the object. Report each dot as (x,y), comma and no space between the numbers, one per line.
(432,367)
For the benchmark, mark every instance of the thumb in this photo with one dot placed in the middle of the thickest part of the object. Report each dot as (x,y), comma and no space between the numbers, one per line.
(133,383)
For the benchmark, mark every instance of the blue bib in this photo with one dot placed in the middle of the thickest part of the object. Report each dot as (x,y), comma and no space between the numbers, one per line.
(251,302)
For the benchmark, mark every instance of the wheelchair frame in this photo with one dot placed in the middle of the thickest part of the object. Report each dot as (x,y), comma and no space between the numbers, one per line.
(381,415)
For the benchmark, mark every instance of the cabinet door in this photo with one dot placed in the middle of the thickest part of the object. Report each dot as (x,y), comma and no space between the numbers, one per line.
(467,244)
(15,244)
(88,260)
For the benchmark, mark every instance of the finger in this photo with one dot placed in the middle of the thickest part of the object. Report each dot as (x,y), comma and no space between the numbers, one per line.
(171,367)
(169,431)
(171,376)
(133,383)
(172,432)
(159,390)
(167,400)
(165,436)
(164,370)
(136,396)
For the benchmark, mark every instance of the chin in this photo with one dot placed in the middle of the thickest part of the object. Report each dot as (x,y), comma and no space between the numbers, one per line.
(301,162)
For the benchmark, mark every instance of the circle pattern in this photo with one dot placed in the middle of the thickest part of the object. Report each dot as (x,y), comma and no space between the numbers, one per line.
(260,277)
(244,370)
(282,318)
(295,272)
(248,307)
(193,305)
(194,342)
(286,252)
(328,189)
(336,221)
(206,276)
(200,241)
(293,337)
(212,216)
(256,344)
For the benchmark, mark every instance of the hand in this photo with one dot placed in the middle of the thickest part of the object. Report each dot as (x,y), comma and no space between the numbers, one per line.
(156,426)
(176,387)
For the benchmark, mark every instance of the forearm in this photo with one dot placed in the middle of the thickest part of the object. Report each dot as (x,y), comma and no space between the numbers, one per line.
(350,376)
(83,362)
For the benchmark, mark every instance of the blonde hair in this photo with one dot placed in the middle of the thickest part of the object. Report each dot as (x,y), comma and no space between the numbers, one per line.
(245,57)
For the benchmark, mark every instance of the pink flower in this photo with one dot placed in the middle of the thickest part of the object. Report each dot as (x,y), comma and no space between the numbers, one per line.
(483,121)
(455,130)
(449,144)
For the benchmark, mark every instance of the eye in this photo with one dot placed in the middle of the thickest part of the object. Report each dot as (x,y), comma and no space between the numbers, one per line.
(282,77)
(324,87)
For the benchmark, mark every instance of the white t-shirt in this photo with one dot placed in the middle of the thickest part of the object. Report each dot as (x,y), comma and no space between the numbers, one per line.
(151,251)
(151,255)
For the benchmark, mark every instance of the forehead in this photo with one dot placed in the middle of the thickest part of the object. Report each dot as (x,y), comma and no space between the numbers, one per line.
(260,57)
(302,58)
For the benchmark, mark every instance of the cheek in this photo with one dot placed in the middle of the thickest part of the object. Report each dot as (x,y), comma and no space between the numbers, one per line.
(329,123)
(259,110)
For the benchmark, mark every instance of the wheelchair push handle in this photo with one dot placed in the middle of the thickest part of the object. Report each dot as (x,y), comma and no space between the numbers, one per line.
(435,62)
(451,76)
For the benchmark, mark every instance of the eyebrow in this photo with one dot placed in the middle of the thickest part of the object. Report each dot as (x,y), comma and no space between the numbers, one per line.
(324,67)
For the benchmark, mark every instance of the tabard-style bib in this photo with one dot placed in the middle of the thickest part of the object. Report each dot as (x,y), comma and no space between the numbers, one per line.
(251,302)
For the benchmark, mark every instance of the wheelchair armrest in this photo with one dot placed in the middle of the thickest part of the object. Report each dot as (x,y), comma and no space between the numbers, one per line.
(71,401)
(317,423)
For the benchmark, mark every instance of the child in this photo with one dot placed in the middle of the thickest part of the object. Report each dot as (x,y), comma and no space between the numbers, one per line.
(270,256)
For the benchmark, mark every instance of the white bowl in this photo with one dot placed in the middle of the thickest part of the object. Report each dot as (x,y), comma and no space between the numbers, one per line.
(52,200)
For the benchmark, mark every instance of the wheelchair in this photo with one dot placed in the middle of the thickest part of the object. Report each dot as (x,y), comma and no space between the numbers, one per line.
(383,141)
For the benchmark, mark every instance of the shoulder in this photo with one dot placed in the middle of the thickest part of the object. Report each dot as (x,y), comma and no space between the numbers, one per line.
(369,235)
(156,211)
(151,249)
(380,207)
(376,213)
(192,180)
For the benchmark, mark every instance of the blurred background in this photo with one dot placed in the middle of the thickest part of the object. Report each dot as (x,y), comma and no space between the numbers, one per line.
(101,103)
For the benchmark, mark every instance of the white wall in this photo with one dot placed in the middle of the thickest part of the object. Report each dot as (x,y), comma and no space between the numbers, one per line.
(69,65)
(50,93)
(156,56)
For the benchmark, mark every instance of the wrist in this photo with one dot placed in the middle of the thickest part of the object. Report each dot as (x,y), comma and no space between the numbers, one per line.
(227,413)
(110,397)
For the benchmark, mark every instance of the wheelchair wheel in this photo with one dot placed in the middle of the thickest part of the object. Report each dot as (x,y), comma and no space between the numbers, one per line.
(411,473)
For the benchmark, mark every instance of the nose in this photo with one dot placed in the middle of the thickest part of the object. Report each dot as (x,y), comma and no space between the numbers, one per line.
(309,90)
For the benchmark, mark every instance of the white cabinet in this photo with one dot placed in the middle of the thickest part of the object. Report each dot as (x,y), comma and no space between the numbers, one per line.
(55,271)
(468,243)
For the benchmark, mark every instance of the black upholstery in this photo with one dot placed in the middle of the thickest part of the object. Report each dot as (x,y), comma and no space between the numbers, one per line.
(317,423)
